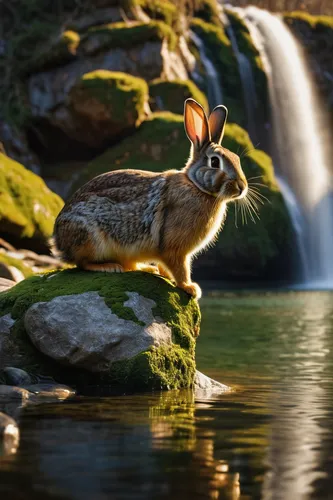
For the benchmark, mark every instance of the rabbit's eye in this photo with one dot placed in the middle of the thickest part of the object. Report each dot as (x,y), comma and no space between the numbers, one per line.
(215,162)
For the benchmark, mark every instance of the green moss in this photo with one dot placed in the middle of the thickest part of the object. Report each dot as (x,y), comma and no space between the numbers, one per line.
(160,368)
(170,95)
(157,368)
(124,96)
(117,35)
(27,207)
(317,22)
(162,10)
(18,263)
(207,10)
(159,144)
(219,50)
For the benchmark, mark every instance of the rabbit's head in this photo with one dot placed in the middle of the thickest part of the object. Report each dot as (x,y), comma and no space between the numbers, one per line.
(213,169)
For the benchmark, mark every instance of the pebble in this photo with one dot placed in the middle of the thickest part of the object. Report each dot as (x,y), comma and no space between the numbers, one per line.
(9,435)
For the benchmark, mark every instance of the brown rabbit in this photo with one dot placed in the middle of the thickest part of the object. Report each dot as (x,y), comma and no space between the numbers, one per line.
(125,218)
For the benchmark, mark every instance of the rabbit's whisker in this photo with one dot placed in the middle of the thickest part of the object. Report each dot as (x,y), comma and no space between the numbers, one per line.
(256,177)
(257,194)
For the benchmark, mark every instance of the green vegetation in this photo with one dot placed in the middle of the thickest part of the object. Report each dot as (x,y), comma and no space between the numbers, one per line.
(219,49)
(159,368)
(27,207)
(161,144)
(124,35)
(172,95)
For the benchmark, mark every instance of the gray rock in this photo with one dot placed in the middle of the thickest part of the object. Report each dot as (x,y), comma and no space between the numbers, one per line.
(6,322)
(10,352)
(9,435)
(51,392)
(207,387)
(81,330)
(13,399)
(16,376)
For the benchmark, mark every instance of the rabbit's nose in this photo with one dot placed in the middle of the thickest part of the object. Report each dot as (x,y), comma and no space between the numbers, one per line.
(241,186)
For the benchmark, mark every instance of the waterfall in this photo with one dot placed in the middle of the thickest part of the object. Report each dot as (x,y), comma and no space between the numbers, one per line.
(214,90)
(298,150)
(246,76)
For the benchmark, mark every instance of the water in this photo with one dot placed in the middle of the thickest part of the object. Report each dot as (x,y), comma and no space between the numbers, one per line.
(247,79)
(271,438)
(214,90)
(298,151)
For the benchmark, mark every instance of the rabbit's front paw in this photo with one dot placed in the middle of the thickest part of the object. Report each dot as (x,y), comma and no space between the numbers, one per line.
(192,288)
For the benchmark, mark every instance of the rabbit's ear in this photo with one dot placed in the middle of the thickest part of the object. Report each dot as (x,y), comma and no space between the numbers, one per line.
(217,121)
(196,123)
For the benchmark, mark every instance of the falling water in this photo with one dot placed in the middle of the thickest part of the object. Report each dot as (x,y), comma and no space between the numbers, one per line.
(215,96)
(247,79)
(298,152)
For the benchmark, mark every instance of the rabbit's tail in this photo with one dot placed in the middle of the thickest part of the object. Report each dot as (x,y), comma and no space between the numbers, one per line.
(56,252)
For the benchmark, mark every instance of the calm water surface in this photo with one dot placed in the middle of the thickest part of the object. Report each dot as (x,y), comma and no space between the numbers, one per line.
(271,438)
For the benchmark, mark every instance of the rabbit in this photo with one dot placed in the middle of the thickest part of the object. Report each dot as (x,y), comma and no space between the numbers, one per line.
(123,219)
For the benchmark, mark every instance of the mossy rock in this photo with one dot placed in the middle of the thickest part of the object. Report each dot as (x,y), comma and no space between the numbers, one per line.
(170,96)
(61,50)
(106,104)
(251,250)
(124,35)
(219,50)
(159,367)
(27,207)
(161,10)
(207,10)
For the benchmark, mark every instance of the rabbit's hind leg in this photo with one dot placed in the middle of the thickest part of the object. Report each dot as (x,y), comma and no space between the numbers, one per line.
(109,267)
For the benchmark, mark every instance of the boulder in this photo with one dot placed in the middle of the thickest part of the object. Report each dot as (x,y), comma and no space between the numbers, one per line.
(103,105)
(27,207)
(169,96)
(206,387)
(257,249)
(133,330)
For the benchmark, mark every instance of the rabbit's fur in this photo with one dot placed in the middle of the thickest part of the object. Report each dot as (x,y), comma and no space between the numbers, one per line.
(123,219)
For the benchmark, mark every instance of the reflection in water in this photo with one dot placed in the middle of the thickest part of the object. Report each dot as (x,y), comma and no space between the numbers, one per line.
(300,406)
(271,438)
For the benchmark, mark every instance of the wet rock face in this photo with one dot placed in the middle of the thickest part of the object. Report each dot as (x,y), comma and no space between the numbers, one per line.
(81,330)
